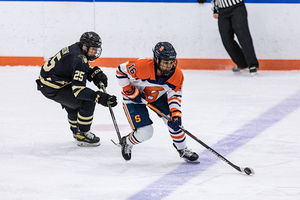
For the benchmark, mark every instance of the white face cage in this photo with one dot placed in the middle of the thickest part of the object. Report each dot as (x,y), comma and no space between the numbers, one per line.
(97,55)
(99,51)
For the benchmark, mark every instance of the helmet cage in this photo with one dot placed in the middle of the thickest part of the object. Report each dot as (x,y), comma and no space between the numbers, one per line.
(165,72)
(97,55)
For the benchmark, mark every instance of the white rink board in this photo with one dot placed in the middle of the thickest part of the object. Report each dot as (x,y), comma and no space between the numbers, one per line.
(132,29)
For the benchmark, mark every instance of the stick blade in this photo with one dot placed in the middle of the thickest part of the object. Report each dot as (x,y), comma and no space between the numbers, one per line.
(117,144)
(247,170)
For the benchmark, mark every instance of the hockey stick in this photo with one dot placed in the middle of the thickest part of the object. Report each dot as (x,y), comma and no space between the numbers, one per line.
(114,120)
(247,170)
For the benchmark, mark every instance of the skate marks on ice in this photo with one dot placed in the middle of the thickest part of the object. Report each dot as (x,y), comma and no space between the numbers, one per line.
(185,172)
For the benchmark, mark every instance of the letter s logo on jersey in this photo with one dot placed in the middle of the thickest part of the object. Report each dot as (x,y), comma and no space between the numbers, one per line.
(152,93)
(137,118)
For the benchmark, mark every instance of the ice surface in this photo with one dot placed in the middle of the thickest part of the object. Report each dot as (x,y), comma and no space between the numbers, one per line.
(252,121)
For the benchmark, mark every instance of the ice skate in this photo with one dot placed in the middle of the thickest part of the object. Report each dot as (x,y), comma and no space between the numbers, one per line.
(253,70)
(188,155)
(126,148)
(87,139)
(236,69)
(75,135)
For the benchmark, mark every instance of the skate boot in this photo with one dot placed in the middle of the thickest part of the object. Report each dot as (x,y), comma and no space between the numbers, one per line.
(75,135)
(188,155)
(74,132)
(253,70)
(87,139)
(126,148)
(236,69)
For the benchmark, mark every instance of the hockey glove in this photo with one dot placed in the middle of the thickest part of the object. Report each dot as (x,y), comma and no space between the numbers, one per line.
(135,95)
(97,76)
(104,98)
(201,1)
(175,120)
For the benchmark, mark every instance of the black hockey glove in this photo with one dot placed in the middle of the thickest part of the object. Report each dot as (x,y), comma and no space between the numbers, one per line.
(201,1)
(97,76)
(104,98)
(175,120)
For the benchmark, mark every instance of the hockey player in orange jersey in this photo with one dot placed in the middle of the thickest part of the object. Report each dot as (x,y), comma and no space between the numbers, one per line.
(159,81)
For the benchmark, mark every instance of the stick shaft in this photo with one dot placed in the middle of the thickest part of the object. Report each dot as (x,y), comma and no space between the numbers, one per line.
(210,149)
(112,116)
(194,137)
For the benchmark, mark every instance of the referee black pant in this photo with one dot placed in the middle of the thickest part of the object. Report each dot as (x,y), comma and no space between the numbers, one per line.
(233,20)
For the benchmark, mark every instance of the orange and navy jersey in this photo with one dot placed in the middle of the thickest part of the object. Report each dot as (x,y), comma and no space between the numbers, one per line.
(142,74)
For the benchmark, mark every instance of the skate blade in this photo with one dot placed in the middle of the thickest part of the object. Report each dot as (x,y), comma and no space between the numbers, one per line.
(85,144)
(193,162)
(117,144)
(237,73)
(254,74)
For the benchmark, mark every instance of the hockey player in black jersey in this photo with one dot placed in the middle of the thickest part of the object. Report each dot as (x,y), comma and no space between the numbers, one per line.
(63,79)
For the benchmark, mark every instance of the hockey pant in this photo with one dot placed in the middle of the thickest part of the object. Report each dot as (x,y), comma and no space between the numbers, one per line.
(141,124)
(80,112)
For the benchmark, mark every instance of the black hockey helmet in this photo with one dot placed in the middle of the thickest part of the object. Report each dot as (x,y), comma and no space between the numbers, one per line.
(91,39)
(165,51)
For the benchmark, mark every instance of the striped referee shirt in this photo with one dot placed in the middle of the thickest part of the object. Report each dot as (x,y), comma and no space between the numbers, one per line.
(224,4)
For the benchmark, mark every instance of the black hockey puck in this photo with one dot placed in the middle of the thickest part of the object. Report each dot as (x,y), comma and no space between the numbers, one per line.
(247,171)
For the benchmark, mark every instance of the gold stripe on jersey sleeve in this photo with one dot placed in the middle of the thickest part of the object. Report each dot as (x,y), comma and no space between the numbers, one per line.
(47,83)
(77,90)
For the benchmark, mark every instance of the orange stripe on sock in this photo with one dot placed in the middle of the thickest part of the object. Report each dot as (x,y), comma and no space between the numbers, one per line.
(132,139)
(178,137)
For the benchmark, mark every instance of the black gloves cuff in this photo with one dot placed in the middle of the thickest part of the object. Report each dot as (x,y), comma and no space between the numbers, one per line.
(91,74)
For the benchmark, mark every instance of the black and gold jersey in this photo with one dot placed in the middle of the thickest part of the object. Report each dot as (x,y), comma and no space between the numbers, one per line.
(68,66)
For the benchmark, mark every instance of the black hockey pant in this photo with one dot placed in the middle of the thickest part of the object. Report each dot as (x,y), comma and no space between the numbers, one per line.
(80,112)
